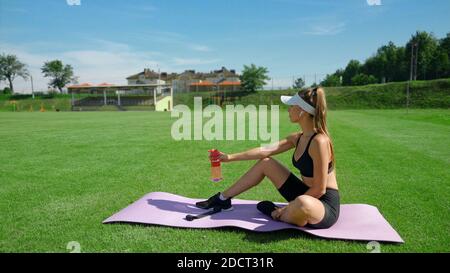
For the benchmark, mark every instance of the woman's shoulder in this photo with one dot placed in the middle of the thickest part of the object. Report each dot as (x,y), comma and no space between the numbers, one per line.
(320,139)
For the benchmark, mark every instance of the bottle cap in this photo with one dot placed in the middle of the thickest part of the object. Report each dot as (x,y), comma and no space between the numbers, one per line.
(215,160)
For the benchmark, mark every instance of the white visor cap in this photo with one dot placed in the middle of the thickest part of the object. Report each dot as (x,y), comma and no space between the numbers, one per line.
(297,100)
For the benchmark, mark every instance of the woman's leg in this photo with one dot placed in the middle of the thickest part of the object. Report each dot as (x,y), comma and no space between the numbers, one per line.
(274,170)
(303,210)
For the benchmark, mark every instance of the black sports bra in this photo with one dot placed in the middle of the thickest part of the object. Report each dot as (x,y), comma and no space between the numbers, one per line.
(305,162)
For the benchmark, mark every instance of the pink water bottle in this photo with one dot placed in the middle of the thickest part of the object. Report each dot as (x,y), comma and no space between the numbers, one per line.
(216,169)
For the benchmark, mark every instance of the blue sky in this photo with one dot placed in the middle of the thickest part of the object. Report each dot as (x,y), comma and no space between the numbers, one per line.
(108,40)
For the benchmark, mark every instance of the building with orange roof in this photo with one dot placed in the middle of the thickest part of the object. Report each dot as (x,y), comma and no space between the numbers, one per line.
(211,86)
(189,80)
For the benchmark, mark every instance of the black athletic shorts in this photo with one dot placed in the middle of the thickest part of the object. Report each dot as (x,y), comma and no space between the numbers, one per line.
(294,187)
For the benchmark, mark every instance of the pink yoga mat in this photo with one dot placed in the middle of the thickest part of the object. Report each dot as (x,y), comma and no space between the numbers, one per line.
(356,221)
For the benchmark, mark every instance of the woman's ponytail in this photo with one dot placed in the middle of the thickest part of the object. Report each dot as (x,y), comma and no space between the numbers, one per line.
(317,96)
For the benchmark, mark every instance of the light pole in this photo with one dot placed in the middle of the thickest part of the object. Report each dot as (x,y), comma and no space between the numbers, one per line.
(415,60)
(413,68)
(32,87)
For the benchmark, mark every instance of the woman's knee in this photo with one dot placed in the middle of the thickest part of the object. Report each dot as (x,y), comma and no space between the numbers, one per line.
(304,204)
(311,208)
(295,214)
(266,160)
(299,212)
(274,170)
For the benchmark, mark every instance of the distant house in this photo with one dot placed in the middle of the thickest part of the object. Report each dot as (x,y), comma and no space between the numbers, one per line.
(222,79)
(149,77)
(223,74)
(211,86)
(229,85)
(201,86)
(190,80)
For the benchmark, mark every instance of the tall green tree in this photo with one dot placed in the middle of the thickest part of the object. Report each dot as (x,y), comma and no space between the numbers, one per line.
(352,69)
(10,68)
(253,77)
(427,51)
(393,63)
(444,44)
(403,67)
(60,75)
(334,79)
(440,65)
(299,83)
(388,57)
(373,66)
(444,57)
(331,80)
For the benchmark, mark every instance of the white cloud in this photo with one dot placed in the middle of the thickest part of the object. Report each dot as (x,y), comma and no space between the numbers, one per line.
(33,62)
(374,2)
(324,24)
(112,62)
(201,48)
(326,29)
(103,61)
(170,38)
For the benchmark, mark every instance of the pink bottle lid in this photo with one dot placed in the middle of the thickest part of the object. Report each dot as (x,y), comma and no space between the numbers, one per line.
(215,154)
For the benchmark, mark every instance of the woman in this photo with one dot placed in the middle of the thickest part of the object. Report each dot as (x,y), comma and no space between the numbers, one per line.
(313,200)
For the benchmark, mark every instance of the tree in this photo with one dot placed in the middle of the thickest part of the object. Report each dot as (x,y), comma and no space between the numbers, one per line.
(299,83)
(2,76)
(444,43)
(353,68)
(389,52)
(334,79)
(253,77)
(363,79)
(403,67)
(440,64)
(393,63)
(10,68)
(59,74)
(6,91)
(427,51)
(331,80)
(444,57)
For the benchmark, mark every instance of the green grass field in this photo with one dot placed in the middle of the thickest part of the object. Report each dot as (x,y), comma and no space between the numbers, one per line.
(63,173)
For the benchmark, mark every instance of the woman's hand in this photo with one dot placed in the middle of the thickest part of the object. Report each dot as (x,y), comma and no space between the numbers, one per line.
(223,157)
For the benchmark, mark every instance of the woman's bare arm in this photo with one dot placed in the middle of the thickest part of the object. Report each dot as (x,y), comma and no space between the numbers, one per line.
(260,152)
